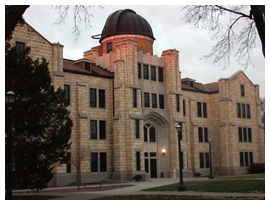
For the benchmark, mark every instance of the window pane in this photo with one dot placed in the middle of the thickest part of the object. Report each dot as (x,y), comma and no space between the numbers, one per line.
(67,94)
(93,129)
(20,47)
(184,107)
(139,71)
(238,110)
(205,134)
(241,159)
(207,161)
(240,134)
(103,162)
(109,47)
(102,129)
(199,109)
(204,109)
(69,163)
(146,165)
(245,134)
(160,74)
(161,101)
(134,97)
(249,135)
(177,103)
(145,134)
(243,111)
(248,111)
(94,162)
(200,134)
(201,160)
(152,133)
(87,66)
(138,161)
(145,72)
(246,159)
(251,157)
(153,73)
(242,90)
(101,98)
(93,97)
(137,128)
(154,100)
(146,99)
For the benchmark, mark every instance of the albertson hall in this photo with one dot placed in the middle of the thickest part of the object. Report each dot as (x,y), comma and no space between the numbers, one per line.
(125,104)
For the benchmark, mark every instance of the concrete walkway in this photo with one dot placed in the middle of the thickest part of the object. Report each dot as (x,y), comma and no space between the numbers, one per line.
(135,190)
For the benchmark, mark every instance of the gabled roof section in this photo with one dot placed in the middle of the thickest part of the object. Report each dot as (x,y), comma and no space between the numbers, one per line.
(238,73)
(95,70)
(199,87)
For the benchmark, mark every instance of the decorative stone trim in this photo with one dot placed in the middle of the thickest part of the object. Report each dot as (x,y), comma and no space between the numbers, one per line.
(117,86)
(175,92)
(81,84)
(133,86)
(117,117)
(194,124)
(134,116)
(59,73)
(179,119)
(83,115)
(222,124)
(231,124)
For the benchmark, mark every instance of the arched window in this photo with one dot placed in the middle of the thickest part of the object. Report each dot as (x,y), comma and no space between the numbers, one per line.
(149,133)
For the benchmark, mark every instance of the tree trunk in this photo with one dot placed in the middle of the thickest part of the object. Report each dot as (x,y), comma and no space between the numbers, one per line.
(258,12)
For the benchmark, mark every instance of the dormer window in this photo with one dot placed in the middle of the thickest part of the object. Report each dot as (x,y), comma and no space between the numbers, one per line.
(191,84)
(87,66)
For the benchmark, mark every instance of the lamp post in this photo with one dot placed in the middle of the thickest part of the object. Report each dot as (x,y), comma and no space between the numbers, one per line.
(181,186)
(10,100)
(210,160)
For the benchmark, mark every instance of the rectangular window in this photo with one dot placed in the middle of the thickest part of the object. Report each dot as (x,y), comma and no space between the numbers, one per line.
(20,47)
(139,71)
(94,162)
(251,157)
(242,159)
(67,95)
(184,107)
(154,100)
(240,134)
(248,111)
(146,165)
(134,91)
(145,72)
(245,134)
(109,47)
(200,131)
(153,73)
(103,161)
(201,160)
(146,100)
(246,159)
(145,133)
(177,103)
(93,97)
(243,111)
(238,110)
(87,66)
(242,88)
(199,109)
(137,128)
(138,161)
(102,129)
(93,129)
(68,163)
(160,74)
(249,135)
(101,98)
(205,110)
(205,134)
(161,102)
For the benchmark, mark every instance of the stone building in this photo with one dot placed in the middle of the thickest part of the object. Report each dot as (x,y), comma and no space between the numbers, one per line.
(125,103)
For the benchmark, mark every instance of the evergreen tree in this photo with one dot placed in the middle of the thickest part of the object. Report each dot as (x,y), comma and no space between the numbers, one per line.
(41,123)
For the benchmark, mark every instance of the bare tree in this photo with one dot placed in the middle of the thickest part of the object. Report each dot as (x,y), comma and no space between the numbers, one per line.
(209,17)
(76,161)
(81,14)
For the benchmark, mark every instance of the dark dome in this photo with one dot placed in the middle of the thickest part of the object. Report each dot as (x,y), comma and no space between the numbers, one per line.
(126,22)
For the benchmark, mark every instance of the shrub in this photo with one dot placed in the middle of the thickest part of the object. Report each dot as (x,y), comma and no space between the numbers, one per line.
(197,174)
(137,177)
(257,168)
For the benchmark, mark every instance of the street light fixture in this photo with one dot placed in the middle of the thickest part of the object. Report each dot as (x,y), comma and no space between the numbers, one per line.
(10,100)
(181,186)
(211,176)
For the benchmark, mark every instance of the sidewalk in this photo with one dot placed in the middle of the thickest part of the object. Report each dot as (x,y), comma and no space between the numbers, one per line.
(133,190)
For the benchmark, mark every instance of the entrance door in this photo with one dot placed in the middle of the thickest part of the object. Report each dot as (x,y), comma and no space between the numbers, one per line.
(153,168)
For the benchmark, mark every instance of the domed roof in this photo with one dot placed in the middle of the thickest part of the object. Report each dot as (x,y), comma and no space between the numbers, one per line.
(126,22)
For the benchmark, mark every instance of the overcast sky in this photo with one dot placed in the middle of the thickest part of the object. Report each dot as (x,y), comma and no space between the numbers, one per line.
(169,29)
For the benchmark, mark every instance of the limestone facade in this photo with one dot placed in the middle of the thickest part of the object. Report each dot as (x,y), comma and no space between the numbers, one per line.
(145,98)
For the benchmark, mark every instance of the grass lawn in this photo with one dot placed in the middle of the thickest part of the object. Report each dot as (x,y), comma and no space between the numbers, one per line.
(34,197)
(174,197)
(242,186)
